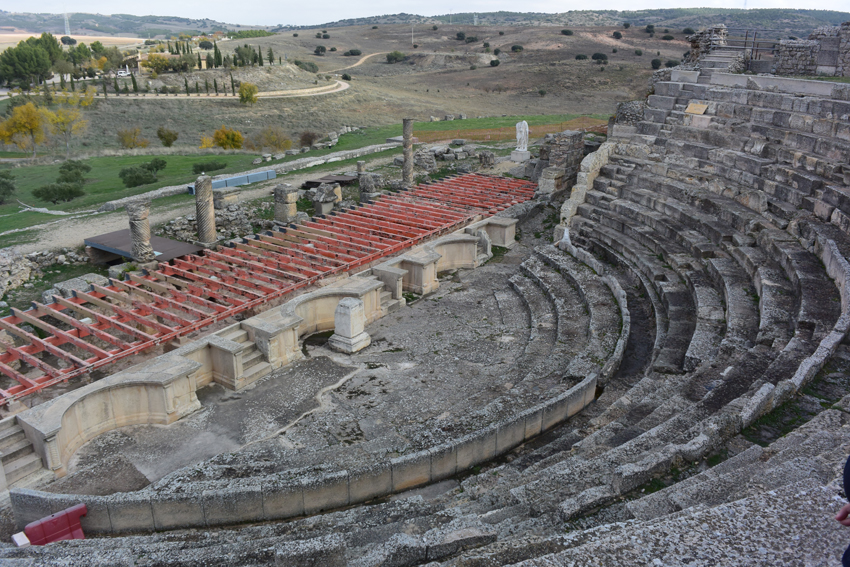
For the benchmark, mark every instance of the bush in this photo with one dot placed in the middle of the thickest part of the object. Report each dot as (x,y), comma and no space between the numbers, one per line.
(542,92)
(307,66)
(248,93)
(205,166)
(668,37)
(205,44)
(599,57)
(627,25)
(73,171)
(374,27)
(473,67)
(166,136)
(501,33)
(471,39)
(435,28)
(326,36)
(271,138)
(656,63)
(581,57)
(58,192)
(672,63)
(649,29)
(516,48)
(461,36)
(353,52)
(155,165)
(333,49)
(320,50)
(486,44)
(7,185)
(228,139)
(614,50)
(308,138)
(130,138)
(395,57)
(295,35)
(318,35)
(135,176)
(567,32)
(618,35)
(638,51)
(346,77)
(494,62)
(497,51)
(689,31)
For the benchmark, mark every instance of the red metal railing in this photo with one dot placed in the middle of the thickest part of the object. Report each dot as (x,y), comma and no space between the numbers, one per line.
(97,327)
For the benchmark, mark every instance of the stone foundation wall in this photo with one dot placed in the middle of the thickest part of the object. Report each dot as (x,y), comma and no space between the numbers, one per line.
(825,52)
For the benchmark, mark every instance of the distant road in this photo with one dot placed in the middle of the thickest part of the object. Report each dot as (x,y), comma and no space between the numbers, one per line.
(360,62)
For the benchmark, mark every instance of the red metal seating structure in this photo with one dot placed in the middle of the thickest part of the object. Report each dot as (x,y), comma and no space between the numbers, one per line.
(58,526)
(97,327)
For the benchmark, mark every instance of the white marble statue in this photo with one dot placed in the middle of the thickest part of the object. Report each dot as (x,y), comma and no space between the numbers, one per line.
(522,136)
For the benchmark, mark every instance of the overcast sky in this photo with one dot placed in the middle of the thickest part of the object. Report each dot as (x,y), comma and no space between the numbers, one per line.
(270,12)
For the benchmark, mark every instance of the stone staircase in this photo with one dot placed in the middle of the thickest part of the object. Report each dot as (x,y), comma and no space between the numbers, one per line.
(717,60)
(16,453)
(254,366)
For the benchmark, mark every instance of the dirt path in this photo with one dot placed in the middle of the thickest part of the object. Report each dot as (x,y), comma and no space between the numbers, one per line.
(71,232)
(360,62)
(292,93)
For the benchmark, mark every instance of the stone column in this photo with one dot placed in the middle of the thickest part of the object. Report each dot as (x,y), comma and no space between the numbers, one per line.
(205,210)
(140,231)
(285,208)
(407,144)
(361,167)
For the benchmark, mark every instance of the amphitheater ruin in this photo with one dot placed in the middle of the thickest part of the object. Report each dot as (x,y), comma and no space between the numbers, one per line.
(481,370)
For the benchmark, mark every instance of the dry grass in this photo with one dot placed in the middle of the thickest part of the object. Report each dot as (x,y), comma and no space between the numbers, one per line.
(12,39)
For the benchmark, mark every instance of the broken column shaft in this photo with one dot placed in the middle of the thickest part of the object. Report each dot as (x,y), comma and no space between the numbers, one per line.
(285,204)
(407,144)
(140,231)
(205,210)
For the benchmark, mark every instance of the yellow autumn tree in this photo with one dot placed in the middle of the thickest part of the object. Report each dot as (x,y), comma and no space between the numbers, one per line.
(228,138)
(67,121)
(206,142)
(248,93)
(156,63)
(26,127)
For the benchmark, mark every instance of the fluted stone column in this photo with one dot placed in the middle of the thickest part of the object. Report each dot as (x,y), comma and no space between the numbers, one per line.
(285,207)
(407,144)
(205,210)
(140,231)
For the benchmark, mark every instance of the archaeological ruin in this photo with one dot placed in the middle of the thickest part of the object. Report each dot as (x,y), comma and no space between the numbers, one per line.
(590,362)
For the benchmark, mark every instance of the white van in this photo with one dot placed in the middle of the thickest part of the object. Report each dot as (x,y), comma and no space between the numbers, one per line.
(122,74)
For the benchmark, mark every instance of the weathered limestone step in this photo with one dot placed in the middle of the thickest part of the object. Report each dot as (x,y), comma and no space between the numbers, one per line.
(742,315)
(256,372)
(236,335)
(250,357)
(15,451)
(11,435)
(543,321)
(21,467)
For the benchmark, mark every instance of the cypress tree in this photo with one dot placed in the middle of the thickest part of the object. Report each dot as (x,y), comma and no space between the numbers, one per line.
(199,62)
(104,88)
(73,88)
(197,88)
(135,86)
(215,86)
(186,84)
(62,82)
(216,55)
(232,85)
(260,56)
(207,86)
(115,85)
(271,56)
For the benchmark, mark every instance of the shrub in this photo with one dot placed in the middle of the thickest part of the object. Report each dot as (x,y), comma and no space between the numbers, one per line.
(599,57)
(618,35)
(638,51)
(205,44)
(581,57)
(333,49)
(435,28)
(473,67)
(320,50)
(461,36)
(155,165)
(326,36)
(204,166)
(501,33)
(395,57)
(318,35)
(58,192)
(471,39)
(7,185)
(627,25)
(227,138)
(494,62)
(307,66)
(689,31)
(542,92)
(295,35)
(486,44)
(346,77)
(374,27)
(614,50)
(497,51)
(308,138)
(130,138)
(567,32)
(135,176)
(668,37)
(166,136)
(656,63)
(353,52)
(415,46)
(73,171)
(271,138)
(516,48)
(649,29)
(672,63)
(248,93)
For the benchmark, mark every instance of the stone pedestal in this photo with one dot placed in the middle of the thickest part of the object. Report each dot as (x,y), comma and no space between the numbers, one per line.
(349,322)
(285,204)
(140,231)
(519,156)
(205,210)
(361,167)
